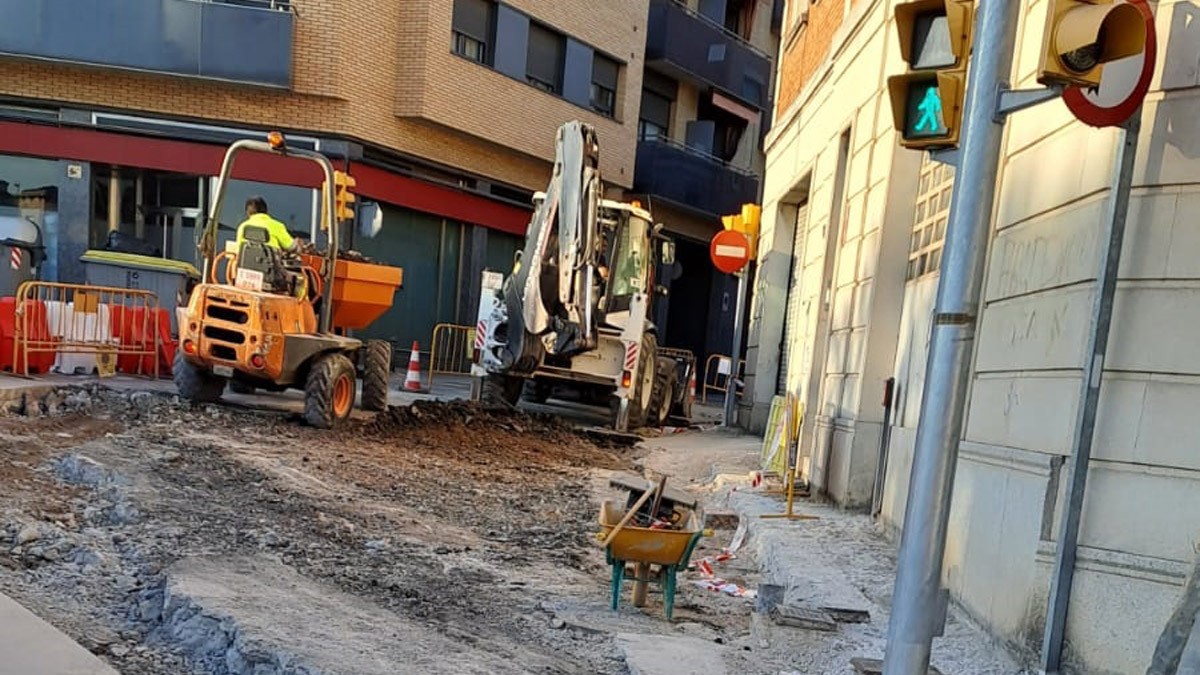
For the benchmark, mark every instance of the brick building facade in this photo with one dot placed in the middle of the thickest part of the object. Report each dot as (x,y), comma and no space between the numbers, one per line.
(123,118)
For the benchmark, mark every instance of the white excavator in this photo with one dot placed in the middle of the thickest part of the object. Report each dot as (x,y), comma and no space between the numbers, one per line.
(575,312)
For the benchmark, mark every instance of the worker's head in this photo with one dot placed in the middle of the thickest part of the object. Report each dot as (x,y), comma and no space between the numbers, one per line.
(255,205)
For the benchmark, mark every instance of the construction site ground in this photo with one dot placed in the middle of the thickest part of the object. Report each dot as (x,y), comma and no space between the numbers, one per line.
(434,538)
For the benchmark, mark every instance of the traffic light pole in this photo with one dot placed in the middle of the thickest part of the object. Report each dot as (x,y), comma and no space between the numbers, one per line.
(919,601)
(730,419)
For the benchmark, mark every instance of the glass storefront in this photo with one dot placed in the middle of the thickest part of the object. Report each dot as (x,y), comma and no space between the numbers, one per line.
(29,189)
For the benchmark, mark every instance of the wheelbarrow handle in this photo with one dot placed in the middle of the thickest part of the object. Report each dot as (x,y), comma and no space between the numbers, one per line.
(637,505)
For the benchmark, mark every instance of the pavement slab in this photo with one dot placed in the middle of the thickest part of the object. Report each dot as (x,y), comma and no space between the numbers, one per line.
(31,646)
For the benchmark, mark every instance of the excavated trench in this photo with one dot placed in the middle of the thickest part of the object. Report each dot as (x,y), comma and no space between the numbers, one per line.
(172,538)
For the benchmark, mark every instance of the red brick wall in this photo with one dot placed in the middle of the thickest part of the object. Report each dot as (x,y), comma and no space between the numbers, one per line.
(804,52)
(377,70)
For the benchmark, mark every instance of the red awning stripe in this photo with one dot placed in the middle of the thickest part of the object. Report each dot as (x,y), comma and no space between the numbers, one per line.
(203,159)
(439,200)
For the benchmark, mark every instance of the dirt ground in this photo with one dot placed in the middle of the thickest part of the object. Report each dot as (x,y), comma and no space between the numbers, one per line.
(441,538)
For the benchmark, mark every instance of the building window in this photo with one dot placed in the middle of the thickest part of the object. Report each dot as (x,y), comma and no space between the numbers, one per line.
(929,225)
(544,66)
(655,120)
(604,85)
(474,26)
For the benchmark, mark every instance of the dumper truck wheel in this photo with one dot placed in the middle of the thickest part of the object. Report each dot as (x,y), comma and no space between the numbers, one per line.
(329,392)
(663,393)
(502,390)
(194,384)
(377,369)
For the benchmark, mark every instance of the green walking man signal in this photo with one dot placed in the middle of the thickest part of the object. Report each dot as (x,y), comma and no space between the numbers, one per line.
(931,111)
(935,42)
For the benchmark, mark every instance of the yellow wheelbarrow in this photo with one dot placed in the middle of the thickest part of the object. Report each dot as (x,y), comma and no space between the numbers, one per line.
(656,554)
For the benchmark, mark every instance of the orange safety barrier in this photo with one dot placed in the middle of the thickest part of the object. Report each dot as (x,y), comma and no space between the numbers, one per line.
(715,380)
(451,350)
(11,356)
(87,327)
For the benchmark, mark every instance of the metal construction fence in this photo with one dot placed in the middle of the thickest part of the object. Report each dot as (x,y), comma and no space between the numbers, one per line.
(451,350)
(73,327)
(720,378)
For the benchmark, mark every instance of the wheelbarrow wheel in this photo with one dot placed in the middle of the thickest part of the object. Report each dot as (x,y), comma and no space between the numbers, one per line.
(641,584)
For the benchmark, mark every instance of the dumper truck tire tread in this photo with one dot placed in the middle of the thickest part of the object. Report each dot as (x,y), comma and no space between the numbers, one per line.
(377,369)
(502,390)
(194,384)
(329,392)
(663,393)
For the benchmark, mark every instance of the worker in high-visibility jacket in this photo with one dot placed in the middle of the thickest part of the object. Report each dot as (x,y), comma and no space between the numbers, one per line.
(278,236)
(257,215)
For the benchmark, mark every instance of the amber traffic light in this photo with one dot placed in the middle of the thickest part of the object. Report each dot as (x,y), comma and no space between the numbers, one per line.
(935,42)
(344,197)
(1082,35)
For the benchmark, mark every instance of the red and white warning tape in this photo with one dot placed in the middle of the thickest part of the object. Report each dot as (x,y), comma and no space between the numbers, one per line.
(709,580)
(726,587)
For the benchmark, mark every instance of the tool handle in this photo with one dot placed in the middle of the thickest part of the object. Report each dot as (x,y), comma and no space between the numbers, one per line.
(637,505)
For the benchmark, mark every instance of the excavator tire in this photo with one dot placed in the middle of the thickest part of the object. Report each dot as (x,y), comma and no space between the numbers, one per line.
(538,391)
(329,392)
(502,390)
(663,393)
(194,384)
(640,404)
(377,368)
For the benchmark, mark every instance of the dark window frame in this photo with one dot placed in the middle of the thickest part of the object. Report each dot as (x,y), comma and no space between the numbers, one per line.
(556,88)
(538,79)
(603,87)
(464,36)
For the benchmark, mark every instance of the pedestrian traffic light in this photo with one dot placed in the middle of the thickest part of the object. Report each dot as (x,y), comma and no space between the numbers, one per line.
(935,41)
(343,197)
(1082,35)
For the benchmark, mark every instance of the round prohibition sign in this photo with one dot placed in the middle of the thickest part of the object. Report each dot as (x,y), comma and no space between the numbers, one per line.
(730,251)
(1120,95)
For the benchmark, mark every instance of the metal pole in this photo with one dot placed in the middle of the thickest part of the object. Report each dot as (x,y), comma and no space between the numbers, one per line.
(919,602)
(731,391)
(1089,398)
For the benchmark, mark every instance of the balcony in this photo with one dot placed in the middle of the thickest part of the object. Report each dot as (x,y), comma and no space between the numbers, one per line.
(691,179)
(236,40)
(691,47)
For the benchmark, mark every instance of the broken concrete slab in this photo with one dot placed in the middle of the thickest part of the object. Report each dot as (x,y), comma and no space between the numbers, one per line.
(810,618)
(252,615)
(848,614)
(667,655)
(875,667)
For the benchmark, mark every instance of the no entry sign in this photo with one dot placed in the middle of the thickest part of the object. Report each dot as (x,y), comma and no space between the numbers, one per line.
(730,251)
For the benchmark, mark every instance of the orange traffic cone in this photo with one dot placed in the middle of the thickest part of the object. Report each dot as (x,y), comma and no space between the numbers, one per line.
(412,381)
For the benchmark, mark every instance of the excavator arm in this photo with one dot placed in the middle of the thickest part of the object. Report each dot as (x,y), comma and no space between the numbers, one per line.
(549,302)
